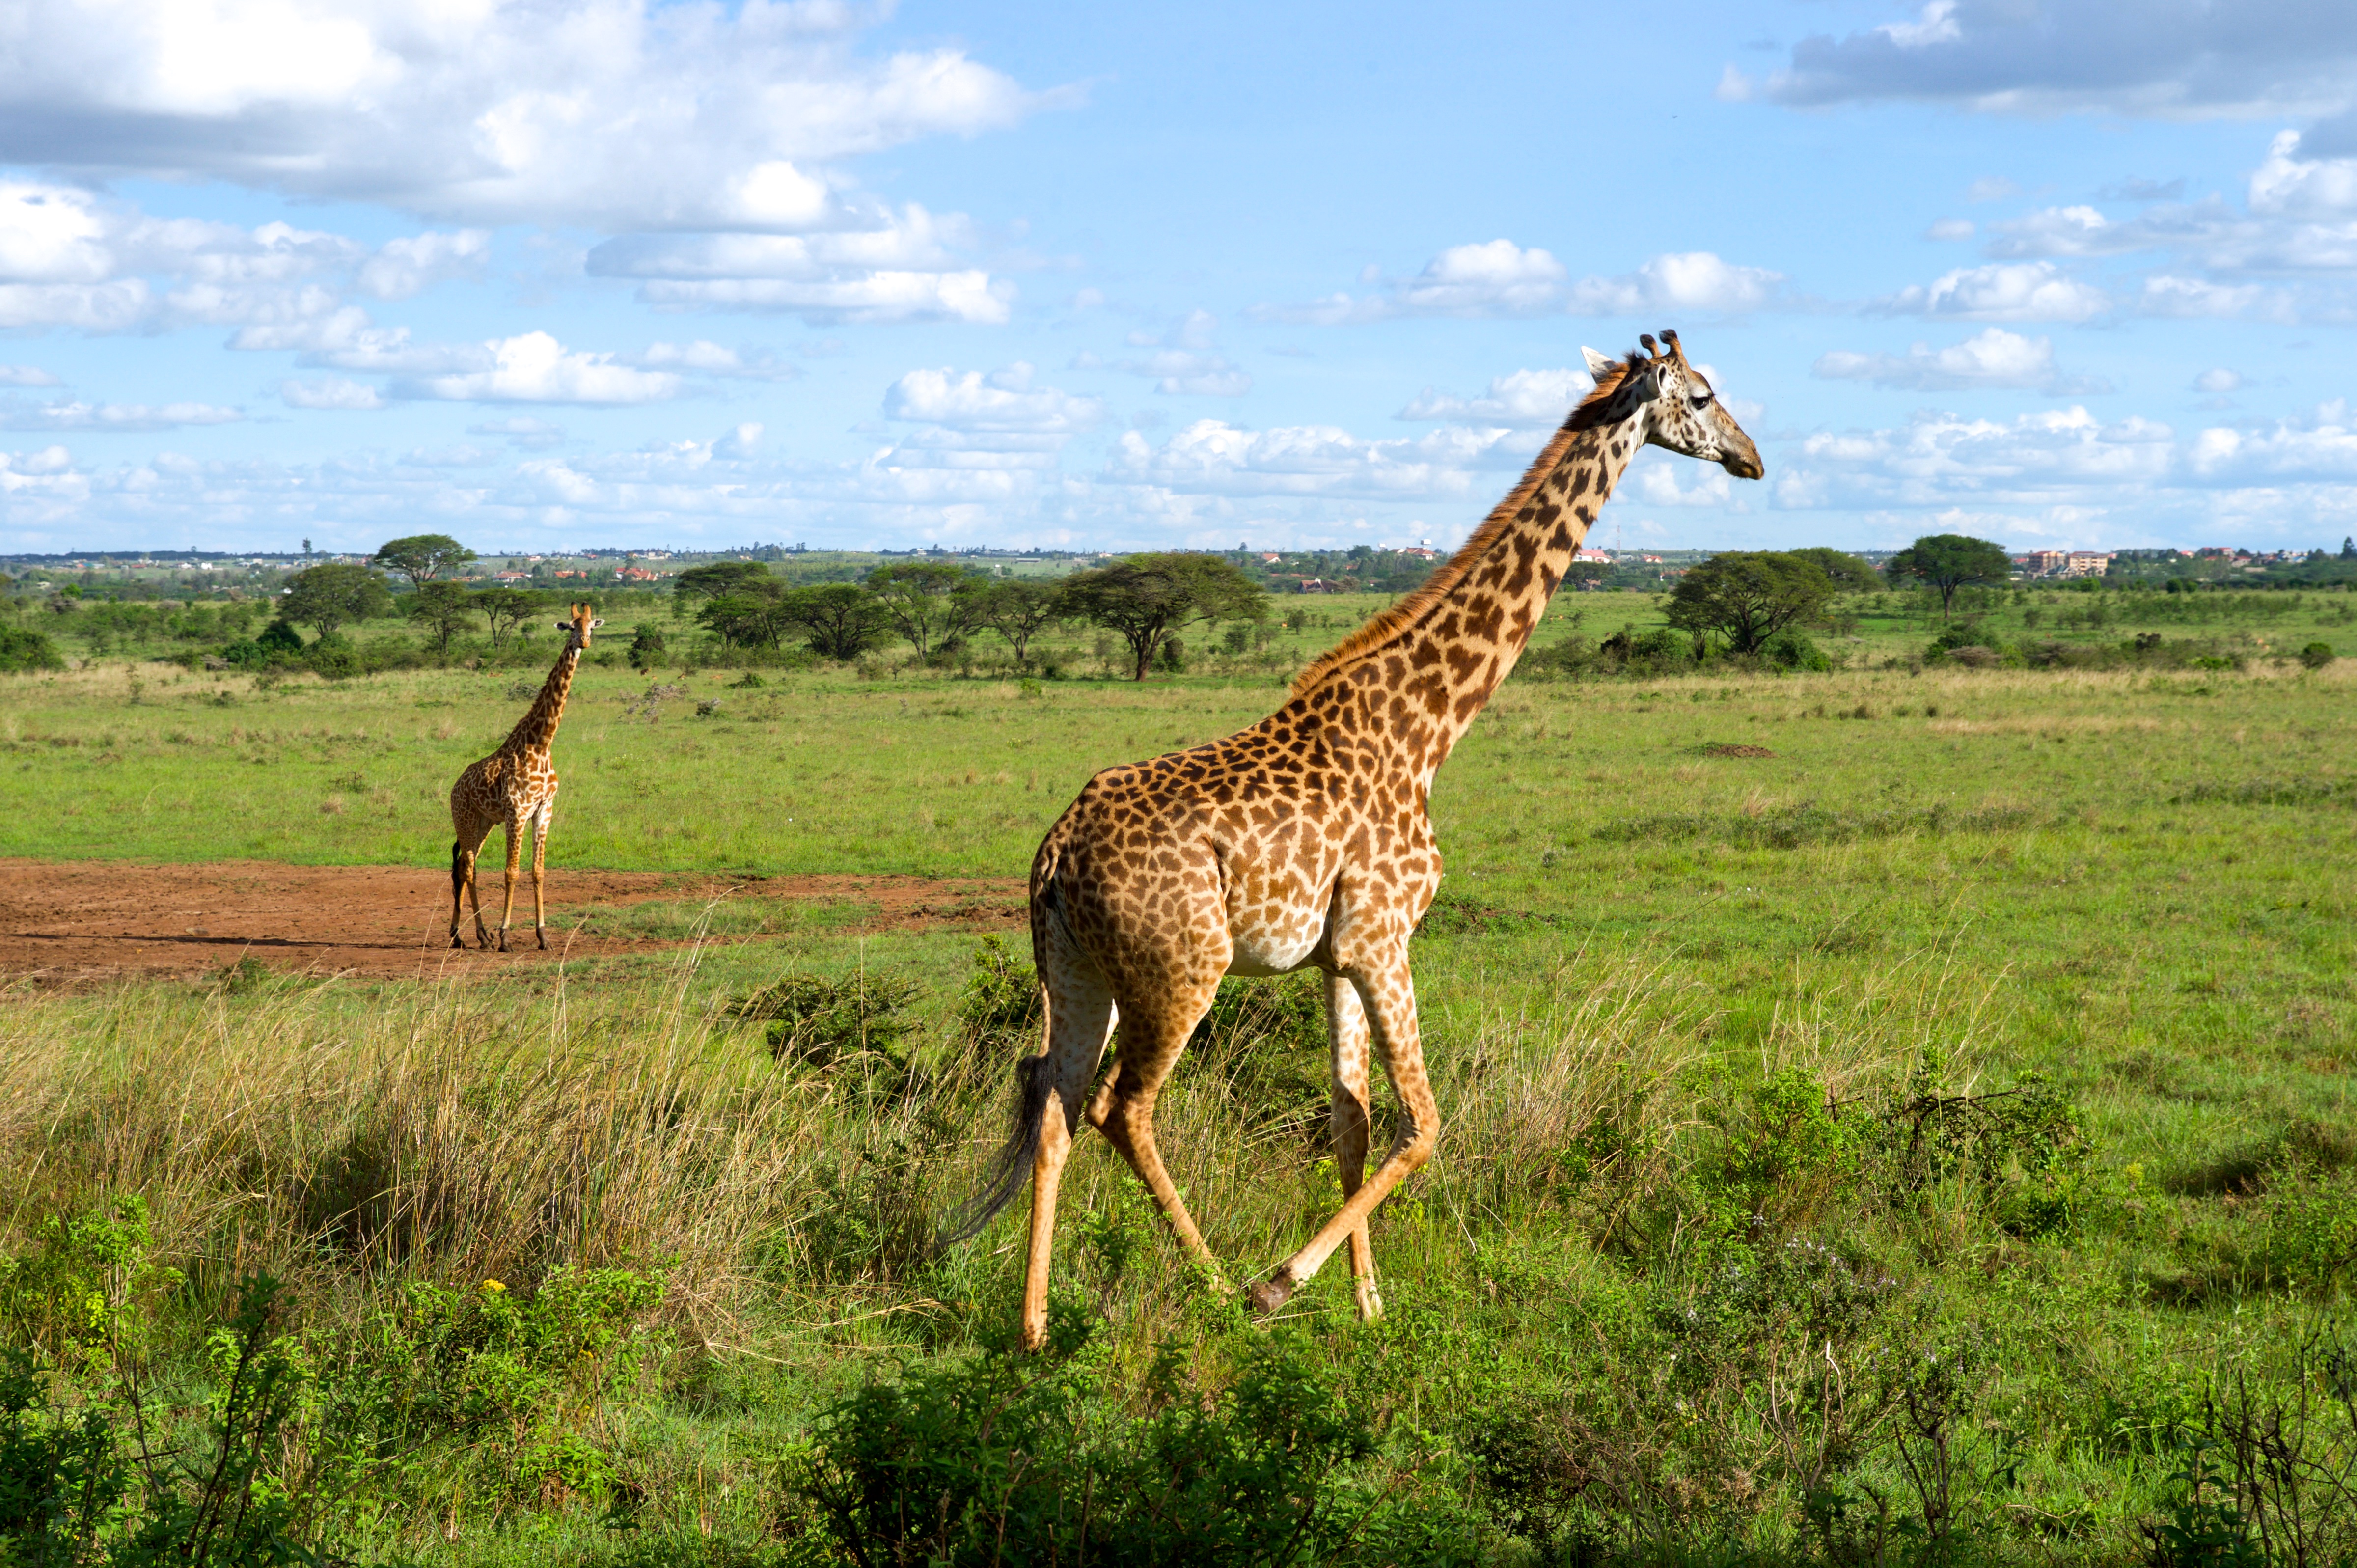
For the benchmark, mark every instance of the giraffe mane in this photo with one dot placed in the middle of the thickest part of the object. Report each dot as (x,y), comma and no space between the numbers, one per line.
(1381,628)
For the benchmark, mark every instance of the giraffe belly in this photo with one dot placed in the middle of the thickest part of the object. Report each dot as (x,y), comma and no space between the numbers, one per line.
(1276,941)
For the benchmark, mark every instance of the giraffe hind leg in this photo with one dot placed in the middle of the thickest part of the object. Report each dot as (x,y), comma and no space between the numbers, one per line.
(515,830)
(461,867)
(1346,1025)
(1152,1037)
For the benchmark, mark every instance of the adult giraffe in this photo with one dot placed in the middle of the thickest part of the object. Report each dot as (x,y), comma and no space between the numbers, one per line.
(1303,843)
(512,788)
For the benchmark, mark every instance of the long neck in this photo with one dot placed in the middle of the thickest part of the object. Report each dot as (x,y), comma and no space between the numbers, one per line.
(538,728)
(1433,663)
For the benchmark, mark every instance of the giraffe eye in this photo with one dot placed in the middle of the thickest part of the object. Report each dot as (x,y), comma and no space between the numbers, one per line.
(1702,400)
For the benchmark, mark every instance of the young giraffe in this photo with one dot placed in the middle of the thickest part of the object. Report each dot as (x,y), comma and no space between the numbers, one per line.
(1303,843)
(512,788)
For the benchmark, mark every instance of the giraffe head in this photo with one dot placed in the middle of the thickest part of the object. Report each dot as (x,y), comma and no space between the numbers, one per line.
(577,627)
(1674,405)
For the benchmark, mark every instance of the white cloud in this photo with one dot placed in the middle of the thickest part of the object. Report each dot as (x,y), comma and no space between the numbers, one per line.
(1950,230)
(93,307)
(1991,357)
(117,416)
(2018,291)
(25,376)
(1525,399)
(408,266)
(2197,299)
(2321,448)
(1498,278)
(1991,187)
(2285,183)
(613,115)
(740,443)
(533,366)
(522,431)
(1211,456)
(1940,459)
(334,392)
(1002,402)
(2175,58)
(969,296)
(1187,362)
(2218,382)
(705,357)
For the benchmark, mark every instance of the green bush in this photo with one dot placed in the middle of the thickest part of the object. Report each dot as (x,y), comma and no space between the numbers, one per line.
(2316,655)
(817,1022)
(1001,1011)
(1017,1459)
(1792,648)
(22,649)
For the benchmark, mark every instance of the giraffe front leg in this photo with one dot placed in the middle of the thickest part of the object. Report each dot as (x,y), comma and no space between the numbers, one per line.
(1389,998)
(515,861)
(539,865)
(1346,1032)
(1080,1019)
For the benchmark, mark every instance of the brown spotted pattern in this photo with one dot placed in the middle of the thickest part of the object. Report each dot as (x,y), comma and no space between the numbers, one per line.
(1303,843)
(515,787)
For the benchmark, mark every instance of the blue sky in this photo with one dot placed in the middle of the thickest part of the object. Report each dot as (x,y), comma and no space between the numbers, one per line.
(573,272)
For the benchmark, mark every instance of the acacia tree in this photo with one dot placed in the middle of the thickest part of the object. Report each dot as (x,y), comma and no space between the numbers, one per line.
(1748,596)
(742,620)
(421,557)
(1147,599)
(922,599)
(1016,609)
(844,619)
(441,608)
(506,609)
(722,578)
(325,598)
(1850,573)
(1950,560)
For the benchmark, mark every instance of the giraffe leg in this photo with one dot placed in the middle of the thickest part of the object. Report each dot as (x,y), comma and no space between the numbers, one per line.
(462,865)
(1388,995)
(1080,1020)
(1346,1033)
(474,855)
(515,854)
(1152,1035)
(539,865)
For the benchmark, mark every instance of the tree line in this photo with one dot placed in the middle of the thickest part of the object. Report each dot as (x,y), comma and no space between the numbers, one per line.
(1747,597)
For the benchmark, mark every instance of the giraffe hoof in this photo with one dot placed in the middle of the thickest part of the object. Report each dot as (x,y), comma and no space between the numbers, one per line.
(1271,1292)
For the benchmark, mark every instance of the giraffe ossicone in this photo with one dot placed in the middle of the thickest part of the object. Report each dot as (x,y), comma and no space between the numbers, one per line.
(515,787)
(1303,843)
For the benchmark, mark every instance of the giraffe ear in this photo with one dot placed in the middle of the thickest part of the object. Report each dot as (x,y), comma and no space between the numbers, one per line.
(564,626)
(1645,385)
(1596,363)
(597,623)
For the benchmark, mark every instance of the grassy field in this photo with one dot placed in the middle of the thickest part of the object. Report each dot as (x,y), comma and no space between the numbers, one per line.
(1894,1114)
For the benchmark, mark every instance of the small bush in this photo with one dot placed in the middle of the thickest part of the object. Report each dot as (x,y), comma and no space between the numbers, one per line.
(1001,1011)
(2316,655)
(22,649)
(1792,648)
(817,1023)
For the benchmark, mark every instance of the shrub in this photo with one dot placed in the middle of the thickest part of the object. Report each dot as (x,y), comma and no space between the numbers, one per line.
(817,1022)
(1001,1010)
(1012,1459)
(22,649)
(1792,650)
(2316,655)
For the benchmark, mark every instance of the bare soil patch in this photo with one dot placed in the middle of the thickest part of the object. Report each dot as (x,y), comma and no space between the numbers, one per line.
(80,922)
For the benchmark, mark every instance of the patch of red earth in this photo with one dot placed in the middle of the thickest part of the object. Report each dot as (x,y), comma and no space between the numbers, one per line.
(80,922)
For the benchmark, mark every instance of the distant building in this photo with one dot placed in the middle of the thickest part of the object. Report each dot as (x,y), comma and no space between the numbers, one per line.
(2087,564)
(1318,585)
(1597,556)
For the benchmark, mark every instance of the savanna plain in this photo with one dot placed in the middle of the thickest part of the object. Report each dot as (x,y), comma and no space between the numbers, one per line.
(1896,1114)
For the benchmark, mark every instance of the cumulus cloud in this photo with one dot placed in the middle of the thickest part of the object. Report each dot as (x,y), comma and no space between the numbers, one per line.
(2218,382)
(522,431)
(1524,399)
(1941,458)
(333,392)
(878,264)
(1498,278)
(2176,57)
(405,267)
(533,366)
(1003,401)
(1993,357)
(126,417)
(613,115)
(2019,291)
(25,376)
(1211,456)
(1186,363)
(2197,298)
(1949,229)
(704,358)
(2321,447)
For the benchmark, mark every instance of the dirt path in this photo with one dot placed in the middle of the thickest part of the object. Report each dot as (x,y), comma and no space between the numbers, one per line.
(78,922)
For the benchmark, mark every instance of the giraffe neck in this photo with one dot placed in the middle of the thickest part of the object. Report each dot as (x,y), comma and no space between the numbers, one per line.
(1457,648)
(537,728)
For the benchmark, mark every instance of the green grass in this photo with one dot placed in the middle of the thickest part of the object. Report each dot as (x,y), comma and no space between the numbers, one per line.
(1651,967)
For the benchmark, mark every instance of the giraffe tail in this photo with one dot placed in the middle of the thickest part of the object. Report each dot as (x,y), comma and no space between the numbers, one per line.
(457,859)
(1011,1167)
